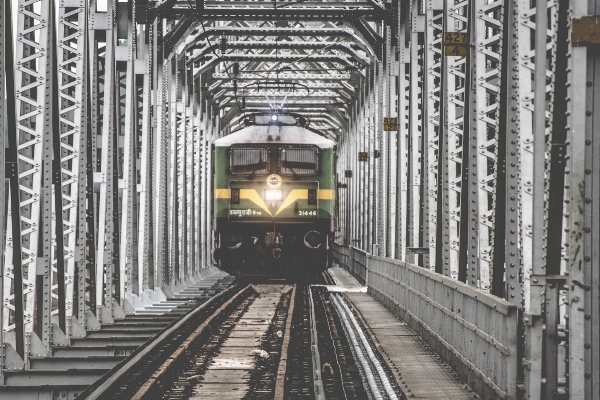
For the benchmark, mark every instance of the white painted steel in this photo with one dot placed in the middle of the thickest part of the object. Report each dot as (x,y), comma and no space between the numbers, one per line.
(137,98)
(3,121)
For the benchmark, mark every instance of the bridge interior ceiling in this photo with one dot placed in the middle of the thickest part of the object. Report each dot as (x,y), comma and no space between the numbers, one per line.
(467,145)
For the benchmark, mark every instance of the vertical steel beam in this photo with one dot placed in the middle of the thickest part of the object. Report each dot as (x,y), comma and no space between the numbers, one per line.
(379,147)
(391,101)
(372,192)
(145,232)
(525,34)
(512,276)
(84,178)
(190,173)
(416,135)
(486,29)
(160,161)
(33,138)
(197,188)
(452,139)
(404,88)
(71,139)
(3,193)
(536,105)
(204,233)
(95,102)
(107,209)
(431,117)
(127,111)
(53,234)
(582,196)
(209,192)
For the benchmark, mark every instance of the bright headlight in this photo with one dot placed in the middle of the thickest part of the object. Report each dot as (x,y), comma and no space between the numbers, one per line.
(274,117)
(273,195)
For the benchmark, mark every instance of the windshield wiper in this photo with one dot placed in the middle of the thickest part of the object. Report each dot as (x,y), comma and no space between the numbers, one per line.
(255,167)
(285,164)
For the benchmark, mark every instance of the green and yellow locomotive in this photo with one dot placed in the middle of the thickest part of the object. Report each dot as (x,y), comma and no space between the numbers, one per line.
(274,197)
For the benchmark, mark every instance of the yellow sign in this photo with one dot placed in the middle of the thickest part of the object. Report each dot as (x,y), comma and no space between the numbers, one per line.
(363,156)
(390,124)
(456,37)
(273,181)
(455,50)
(585,30)
(456,44)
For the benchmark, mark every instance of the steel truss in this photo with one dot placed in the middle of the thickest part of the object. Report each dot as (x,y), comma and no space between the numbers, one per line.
(489,177)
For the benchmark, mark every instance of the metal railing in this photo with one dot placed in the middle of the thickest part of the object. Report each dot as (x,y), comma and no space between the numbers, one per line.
(353,260)
(473,331)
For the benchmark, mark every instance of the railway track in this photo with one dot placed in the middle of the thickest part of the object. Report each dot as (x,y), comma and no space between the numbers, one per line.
(258,341)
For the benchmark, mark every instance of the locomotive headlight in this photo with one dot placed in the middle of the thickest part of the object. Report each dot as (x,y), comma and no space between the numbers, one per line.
(274,117)
(273,195)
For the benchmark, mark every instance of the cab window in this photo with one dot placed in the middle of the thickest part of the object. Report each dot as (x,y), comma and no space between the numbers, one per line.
(249,161)
(298,161)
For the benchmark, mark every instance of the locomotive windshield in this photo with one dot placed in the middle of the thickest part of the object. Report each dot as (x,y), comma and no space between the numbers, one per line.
(299,161)
(249,161)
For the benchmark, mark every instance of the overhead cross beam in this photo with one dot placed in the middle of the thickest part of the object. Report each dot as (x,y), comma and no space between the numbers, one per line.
(175,35)
(317,47)
(246,57)
(284,76)
(248,11)
(309,86)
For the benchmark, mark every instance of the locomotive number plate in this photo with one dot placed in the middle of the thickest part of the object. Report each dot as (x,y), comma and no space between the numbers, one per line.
(308,213)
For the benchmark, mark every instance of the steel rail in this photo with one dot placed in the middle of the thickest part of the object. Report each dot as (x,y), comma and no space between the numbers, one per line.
(329,316)
(151,345)
(314,347)
(149,384)
(354,330)
(382,374)
(358,353)
(282,368)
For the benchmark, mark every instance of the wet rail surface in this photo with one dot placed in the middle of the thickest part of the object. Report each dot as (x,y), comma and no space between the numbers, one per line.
(257,341)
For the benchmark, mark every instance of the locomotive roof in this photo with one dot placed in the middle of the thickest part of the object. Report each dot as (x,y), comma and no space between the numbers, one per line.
(273,134)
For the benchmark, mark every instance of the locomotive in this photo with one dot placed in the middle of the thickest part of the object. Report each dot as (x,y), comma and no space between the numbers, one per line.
(274,197)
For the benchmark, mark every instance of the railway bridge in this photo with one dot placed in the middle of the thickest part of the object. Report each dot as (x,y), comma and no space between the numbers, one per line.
(468,172)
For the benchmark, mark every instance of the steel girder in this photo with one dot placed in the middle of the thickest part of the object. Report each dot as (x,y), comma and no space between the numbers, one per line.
(32,163)
(248,57)
(309,11)
(109,129)
(582,198)
(471,170)
(202,34)
(309,86)
(3,122)
(285,76)
(343,47)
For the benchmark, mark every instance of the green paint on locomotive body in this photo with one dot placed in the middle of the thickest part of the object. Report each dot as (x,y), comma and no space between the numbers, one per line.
(294,206)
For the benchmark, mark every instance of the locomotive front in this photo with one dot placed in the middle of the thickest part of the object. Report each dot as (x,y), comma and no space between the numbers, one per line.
(274,198)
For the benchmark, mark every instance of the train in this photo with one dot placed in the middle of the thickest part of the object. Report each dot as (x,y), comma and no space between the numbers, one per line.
(274,197)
